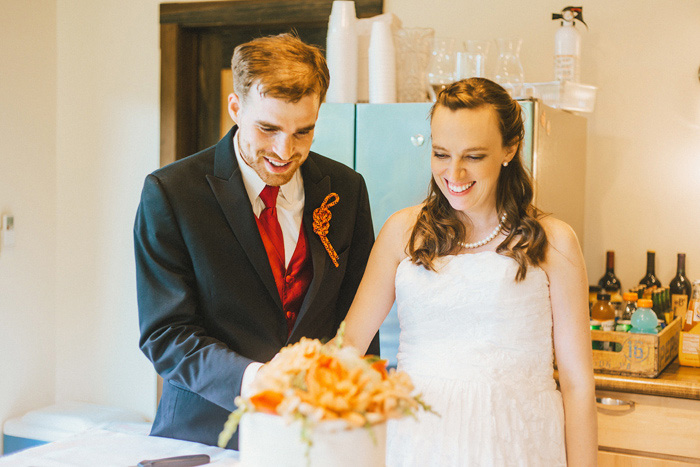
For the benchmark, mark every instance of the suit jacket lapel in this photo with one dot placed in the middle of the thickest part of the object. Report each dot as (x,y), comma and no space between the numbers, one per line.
(229,190)
(316,188)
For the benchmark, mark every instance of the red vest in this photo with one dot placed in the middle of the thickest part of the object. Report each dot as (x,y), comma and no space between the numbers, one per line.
(294,280)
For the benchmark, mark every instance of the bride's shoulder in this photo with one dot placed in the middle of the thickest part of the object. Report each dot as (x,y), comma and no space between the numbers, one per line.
(406,216)
(405,219)
(400,224)
(560,236)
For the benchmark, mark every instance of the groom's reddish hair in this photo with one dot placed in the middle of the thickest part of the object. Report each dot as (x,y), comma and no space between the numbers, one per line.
(283,67)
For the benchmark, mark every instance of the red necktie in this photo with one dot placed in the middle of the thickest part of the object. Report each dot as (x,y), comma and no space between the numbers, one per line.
(268,221)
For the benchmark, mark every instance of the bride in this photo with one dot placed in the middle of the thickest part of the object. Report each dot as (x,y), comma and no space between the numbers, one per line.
(486,287)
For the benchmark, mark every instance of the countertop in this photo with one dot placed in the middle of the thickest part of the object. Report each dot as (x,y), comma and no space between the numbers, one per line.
(675,381)
(115,445)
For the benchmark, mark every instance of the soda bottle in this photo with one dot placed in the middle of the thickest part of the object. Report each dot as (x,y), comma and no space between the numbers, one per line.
(644,320)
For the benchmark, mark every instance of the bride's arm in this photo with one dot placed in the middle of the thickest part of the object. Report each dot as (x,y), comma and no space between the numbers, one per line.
(568,284)
(376,293)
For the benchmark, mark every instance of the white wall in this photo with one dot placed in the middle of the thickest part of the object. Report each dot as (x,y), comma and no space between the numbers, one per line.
(28,191)
(642,189)
(644,141)
(107,141)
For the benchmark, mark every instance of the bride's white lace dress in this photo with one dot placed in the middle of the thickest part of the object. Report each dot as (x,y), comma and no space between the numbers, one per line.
(478,345)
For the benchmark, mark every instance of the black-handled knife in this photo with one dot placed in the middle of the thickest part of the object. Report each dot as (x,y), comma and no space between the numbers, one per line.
(179,461)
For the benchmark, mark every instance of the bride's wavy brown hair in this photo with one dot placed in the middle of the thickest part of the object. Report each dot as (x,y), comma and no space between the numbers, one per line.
(439,231)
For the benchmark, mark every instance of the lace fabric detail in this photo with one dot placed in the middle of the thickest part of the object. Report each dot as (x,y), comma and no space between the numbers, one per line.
(478,345)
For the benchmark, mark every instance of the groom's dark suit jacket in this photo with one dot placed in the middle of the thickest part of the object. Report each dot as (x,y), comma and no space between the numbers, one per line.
(208,304)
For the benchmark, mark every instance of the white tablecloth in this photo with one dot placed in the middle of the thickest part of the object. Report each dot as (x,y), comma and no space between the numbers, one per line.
(119,445)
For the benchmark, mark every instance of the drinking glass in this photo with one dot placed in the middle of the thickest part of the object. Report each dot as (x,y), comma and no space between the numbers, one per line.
(464,66)
(442,66)
(479,51)
(509,70)
(471,62)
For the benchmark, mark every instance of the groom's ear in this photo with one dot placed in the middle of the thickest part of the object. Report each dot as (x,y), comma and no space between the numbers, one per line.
(234,106)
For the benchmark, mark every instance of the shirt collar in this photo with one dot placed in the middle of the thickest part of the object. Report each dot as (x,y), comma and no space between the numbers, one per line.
(292,191)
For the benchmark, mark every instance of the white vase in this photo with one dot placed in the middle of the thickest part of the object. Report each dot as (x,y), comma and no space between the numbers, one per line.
(413,47)
(341,53)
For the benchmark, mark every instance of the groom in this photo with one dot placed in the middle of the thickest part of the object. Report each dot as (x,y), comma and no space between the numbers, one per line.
(249,245)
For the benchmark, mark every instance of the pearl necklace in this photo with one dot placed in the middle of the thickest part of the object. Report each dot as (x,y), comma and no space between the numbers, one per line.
(483,242)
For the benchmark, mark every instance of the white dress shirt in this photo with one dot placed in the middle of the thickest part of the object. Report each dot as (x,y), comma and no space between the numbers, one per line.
(290,211)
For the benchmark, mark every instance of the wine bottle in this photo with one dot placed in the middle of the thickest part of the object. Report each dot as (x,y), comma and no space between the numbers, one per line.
(609,282)
(650,279)
(680,288)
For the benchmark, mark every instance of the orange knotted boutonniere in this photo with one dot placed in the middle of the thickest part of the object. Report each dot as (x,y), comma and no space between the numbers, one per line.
(322,222)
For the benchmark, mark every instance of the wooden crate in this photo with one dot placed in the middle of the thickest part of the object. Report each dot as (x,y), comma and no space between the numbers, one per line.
(640,355)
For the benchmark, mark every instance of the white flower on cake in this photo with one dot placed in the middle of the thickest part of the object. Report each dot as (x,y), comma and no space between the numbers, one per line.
(326,385)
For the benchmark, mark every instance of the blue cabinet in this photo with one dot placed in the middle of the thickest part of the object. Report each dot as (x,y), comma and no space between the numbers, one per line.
(334,135)
(392,153)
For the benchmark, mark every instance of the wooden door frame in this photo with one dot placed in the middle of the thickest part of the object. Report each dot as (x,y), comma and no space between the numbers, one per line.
(190,84)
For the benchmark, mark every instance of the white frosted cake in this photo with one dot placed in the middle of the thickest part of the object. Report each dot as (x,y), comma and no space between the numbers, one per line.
(267,440)
(320,405)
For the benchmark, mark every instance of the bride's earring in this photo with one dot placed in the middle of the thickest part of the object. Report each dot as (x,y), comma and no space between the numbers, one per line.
(505,164)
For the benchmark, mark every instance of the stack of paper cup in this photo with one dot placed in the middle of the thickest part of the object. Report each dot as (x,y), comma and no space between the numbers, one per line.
(341,53)
(382,64)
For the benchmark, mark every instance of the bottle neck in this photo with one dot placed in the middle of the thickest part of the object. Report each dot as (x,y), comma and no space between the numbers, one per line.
(610,262)
(650,262)
(681,265)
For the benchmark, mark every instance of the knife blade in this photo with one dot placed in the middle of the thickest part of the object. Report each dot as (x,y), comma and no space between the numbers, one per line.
(178,461)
